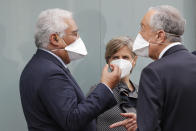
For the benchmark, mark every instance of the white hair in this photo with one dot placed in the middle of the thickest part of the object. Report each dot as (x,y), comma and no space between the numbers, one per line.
(49,22)
(169,19)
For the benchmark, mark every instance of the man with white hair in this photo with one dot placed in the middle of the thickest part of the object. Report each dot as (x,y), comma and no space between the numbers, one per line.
(51,98)
(167,89)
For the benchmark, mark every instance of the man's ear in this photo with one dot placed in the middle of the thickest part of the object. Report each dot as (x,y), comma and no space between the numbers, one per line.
(161,36)
(54,39)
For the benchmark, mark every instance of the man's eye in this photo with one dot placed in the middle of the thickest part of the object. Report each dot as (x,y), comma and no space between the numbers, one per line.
(75,33)
(141,28)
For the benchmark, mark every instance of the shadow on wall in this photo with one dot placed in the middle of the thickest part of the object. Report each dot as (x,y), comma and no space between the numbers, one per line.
(8,83)
(27,49)
(190,30)
(92,26)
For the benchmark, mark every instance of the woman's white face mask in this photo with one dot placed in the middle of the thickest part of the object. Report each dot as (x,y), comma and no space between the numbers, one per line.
(124,65)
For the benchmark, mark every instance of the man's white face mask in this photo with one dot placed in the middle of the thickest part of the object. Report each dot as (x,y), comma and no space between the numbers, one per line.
(76,50)
(124,65)
(141,46)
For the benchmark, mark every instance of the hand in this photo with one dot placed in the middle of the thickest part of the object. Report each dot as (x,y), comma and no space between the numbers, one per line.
(130,123)
(110,78)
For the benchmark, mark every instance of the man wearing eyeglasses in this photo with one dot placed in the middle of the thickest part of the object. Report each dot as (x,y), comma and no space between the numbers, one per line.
(51,98)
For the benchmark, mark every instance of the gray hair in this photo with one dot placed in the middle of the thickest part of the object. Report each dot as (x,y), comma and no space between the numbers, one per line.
(49,22)
(168,18)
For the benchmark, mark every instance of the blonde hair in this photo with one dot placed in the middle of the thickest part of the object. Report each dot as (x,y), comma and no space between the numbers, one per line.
(115,44)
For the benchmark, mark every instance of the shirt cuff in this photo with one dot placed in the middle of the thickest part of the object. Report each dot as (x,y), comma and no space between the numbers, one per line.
(108,88)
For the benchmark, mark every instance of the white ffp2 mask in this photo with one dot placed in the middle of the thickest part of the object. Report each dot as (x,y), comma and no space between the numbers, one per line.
(124,65)
(76,50)
(141,46)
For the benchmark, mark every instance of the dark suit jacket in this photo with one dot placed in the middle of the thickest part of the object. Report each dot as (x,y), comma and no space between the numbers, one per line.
(167,93)
(194,52)
(53,101)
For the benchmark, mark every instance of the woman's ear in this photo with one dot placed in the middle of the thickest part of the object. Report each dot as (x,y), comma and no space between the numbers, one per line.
(54,40)
(134,61)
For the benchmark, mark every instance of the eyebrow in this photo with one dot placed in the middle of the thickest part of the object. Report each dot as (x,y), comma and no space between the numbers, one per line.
(141,24)
(75,31)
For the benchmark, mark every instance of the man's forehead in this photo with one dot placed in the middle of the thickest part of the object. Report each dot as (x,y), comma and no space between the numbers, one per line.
(147,17)
(71,24)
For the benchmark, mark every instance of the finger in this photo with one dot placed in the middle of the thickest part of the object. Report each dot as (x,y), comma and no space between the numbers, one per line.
(119,72)
(133,128)
(129,115)
(105,68)
(117,124)
(111,67)
(116,70)
(130,124)
(114,67)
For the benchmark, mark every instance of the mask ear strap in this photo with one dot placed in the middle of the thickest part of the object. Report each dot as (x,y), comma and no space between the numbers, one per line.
(149,41)
(56,49)
(60,49)
(173,34)
(64,42)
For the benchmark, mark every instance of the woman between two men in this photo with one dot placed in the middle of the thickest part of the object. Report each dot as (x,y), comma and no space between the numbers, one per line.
(119,52)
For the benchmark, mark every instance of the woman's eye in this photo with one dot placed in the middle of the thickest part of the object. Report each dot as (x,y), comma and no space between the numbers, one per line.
(125,57)
(114,58)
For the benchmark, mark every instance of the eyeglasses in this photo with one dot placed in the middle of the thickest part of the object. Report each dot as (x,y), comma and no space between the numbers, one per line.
(74,33)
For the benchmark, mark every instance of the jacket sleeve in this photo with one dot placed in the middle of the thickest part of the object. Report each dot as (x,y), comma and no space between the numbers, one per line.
(150,101)
(61,101)
(92,88)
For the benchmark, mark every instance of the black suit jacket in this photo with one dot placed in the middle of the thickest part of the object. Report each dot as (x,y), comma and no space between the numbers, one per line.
(194,52)
(53,101)
(167,93)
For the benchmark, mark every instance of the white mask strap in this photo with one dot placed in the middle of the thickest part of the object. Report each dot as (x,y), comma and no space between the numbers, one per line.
(173,34)
(60,49)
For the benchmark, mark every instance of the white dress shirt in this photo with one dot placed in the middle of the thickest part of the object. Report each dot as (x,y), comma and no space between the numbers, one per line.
(167,48)
(58,58)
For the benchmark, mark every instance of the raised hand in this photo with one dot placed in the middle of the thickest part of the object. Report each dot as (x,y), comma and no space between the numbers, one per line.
(110,78)
(130,123)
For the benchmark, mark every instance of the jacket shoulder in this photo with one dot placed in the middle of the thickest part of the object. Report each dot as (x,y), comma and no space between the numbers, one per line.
(40,67)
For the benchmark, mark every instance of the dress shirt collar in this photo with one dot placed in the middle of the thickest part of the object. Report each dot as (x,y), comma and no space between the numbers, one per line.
(58,58)
(167,48)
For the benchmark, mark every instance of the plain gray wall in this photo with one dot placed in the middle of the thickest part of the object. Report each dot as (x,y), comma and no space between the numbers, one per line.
(98,21)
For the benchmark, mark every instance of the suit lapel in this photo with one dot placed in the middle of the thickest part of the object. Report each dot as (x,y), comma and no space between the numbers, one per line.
(48,56)
(70,75)
(77,87)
